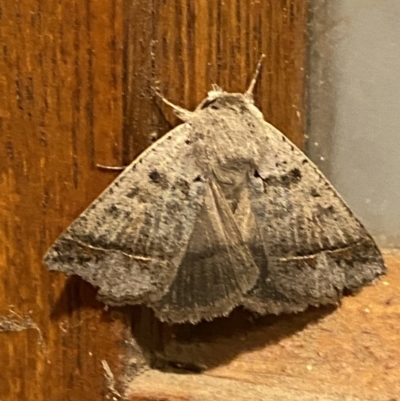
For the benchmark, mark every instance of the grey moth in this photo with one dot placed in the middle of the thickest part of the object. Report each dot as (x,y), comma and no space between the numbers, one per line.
(222,211)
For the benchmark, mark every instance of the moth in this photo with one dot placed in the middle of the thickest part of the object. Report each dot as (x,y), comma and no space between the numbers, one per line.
(222,211)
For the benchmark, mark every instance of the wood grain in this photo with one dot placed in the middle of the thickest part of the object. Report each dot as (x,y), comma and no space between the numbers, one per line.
(181,47)
(60,114)
(76,90)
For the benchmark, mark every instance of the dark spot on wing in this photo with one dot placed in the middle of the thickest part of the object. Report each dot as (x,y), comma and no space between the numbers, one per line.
(159,178)
(132,193)
(113,210)
(93,206)
(199,135)
(314,193)
(284,180)
(155,176)
(325,211)
(296,174)
(183,186)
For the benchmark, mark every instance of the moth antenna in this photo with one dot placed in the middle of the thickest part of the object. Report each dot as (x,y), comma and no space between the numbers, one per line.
(182,113)
(216,88)
(253,82)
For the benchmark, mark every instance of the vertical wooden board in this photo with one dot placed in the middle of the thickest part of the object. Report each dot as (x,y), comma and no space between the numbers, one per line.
(60,114)
(181,47)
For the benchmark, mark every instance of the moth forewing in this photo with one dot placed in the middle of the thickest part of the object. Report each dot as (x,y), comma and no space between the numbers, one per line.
(220,212)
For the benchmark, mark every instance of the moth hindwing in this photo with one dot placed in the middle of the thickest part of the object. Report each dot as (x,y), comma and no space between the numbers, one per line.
(222,211)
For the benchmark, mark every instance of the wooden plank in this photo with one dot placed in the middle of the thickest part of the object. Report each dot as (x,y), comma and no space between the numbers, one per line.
(181,47)
(60,114)
(351,353)
(158,386)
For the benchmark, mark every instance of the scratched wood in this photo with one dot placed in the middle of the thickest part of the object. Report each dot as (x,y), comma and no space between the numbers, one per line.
(76,89)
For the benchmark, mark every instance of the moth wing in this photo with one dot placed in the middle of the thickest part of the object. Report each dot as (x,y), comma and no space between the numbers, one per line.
(309,246)
(217,269)
(131,239)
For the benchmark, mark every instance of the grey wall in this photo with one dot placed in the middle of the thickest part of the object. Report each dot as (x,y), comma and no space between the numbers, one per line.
(354,107)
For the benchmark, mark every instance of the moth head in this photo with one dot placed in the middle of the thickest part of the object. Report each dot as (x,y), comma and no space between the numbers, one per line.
(217,97)
(219,100)
(238,103)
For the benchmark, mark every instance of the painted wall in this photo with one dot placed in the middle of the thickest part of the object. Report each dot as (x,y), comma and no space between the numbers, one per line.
(354,107)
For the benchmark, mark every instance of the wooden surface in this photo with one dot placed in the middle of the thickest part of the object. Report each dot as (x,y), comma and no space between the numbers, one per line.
(75,90)
(348,353)
(181,47)
(60,114)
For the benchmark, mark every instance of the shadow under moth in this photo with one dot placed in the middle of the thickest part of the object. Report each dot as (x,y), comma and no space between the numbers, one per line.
(222,211)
